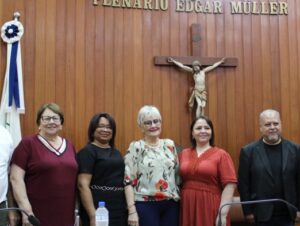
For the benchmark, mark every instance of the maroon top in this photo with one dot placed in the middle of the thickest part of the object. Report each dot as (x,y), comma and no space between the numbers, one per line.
(50,179)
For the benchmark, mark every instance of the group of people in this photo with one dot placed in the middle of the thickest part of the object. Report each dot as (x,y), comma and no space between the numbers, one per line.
(153,184)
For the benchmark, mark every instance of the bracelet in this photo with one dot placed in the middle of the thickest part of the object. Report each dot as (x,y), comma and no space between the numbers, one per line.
(131,213)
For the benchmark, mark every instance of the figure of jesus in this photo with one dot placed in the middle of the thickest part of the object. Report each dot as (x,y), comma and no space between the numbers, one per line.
(199,91)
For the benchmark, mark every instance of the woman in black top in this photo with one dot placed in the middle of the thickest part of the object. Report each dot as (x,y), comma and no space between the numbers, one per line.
(101,173)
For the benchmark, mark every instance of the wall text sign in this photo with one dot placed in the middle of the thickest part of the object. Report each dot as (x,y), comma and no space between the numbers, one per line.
(202,6)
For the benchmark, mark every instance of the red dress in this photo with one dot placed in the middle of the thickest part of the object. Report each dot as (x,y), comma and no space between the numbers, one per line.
(203,179)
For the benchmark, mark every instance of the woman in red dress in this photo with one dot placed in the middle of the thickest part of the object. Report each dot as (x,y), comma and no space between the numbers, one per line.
(208,178)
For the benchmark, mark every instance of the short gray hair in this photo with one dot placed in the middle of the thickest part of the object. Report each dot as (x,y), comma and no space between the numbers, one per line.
(145,111)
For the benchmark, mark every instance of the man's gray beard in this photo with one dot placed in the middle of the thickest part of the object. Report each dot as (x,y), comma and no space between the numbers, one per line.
(272,139)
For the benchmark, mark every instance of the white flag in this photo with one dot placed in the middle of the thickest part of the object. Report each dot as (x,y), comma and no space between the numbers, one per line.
(12,101)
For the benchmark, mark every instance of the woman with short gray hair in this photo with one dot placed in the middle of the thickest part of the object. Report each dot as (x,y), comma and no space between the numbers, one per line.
(151,167)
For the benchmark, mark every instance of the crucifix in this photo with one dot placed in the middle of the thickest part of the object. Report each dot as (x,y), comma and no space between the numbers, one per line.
(198,66)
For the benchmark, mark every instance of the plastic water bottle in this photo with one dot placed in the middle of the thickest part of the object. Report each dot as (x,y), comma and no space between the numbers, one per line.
(101,215)
(77,218)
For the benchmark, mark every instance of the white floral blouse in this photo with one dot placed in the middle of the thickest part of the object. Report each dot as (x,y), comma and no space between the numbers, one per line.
(152,171)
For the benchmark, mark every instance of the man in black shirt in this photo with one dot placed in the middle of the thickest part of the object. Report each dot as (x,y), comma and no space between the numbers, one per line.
(270,169)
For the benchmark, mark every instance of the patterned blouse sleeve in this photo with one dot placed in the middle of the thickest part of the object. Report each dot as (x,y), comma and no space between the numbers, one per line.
(131,164)
(226,169)
(171,145)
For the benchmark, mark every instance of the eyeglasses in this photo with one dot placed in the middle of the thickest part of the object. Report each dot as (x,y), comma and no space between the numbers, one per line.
(108,127)
(47,119)
(150,122)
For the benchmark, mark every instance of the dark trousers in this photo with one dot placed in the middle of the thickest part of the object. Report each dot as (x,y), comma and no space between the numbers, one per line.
(277,221)
(3,214)
(158,213)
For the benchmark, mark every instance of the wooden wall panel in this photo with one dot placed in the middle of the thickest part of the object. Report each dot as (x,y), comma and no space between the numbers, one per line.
(70,107)
(95,58)
(119,75)
(80,69)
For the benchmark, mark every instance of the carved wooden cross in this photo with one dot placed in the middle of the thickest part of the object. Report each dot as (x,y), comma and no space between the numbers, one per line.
(188,60)
(199,94)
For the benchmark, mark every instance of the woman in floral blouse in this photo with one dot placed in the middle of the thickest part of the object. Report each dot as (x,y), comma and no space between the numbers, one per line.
(151,166)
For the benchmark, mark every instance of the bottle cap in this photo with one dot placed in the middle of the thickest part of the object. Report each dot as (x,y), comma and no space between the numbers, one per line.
(101,204)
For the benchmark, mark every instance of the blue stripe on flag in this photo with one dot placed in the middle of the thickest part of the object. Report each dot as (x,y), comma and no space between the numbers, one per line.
(13,92)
